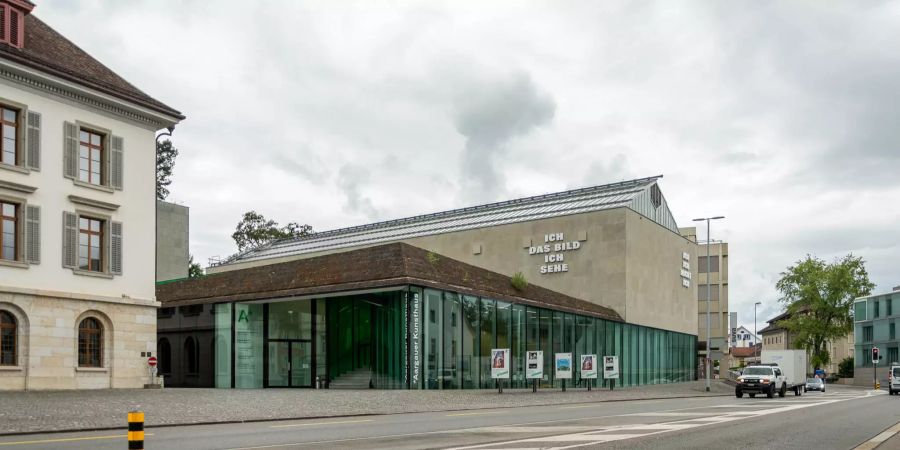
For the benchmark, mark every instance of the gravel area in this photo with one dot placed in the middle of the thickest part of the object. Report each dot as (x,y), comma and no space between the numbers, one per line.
(44,411)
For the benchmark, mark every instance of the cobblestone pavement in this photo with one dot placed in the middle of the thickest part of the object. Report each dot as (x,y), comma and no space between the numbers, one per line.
(23,412)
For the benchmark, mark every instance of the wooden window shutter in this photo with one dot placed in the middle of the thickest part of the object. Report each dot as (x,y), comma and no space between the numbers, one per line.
(115,248)
(70,150)
(116,162)
(16,30)
(3,28)
(70,240)
(33,137)
(33,234)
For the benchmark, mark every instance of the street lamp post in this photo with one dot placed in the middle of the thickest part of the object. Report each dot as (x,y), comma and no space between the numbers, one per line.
(755,336)
(708,301)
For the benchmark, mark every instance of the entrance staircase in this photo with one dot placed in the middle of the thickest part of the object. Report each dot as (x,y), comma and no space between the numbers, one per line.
(358,379)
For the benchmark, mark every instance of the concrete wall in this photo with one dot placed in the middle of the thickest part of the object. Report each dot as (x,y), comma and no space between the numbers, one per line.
(623,261)
(172,241)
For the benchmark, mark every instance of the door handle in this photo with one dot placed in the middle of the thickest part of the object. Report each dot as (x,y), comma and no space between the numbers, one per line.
(289,365)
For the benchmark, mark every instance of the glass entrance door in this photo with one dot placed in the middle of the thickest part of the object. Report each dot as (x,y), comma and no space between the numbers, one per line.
(290,364)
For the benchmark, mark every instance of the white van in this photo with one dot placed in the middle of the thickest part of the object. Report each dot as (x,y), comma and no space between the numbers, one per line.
(894,379)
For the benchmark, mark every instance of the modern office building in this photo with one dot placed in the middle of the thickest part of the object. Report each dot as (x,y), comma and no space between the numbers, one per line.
(606,269)
(77,187)
(875,325)
(715,273)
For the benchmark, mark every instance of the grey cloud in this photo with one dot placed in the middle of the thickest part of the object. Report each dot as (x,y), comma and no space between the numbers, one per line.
(351,180)
(490,115)
(602,173)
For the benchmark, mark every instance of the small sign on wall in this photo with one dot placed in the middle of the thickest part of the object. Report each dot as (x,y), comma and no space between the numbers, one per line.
(500,363)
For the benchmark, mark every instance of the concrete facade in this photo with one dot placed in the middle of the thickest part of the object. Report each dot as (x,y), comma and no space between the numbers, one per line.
(172,238)
(624,261)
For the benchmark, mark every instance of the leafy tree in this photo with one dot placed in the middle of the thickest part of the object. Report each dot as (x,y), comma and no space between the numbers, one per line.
(165,164)
(819,297)
(845,368)
(254,231)
(194,269)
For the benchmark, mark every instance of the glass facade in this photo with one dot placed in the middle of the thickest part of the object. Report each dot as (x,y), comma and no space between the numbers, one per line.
(429,339)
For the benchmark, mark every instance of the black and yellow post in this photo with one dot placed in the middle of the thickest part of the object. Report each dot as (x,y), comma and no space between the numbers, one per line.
(135,430)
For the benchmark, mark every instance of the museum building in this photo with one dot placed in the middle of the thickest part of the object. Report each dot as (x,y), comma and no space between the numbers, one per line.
(418,303)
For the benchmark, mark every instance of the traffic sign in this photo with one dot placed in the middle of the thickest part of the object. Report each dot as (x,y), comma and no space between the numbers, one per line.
(151,361)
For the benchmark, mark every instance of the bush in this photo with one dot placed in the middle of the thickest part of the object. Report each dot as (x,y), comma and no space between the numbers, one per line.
(519,282)
(845,368)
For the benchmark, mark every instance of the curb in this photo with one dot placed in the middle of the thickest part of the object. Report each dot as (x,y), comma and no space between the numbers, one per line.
(285,419)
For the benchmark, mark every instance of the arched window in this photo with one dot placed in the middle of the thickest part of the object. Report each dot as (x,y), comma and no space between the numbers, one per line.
(165,356)
(191,360)
(7,339)
(90,343)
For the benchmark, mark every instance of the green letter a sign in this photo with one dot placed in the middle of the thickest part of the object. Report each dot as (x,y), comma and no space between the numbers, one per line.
(243,316)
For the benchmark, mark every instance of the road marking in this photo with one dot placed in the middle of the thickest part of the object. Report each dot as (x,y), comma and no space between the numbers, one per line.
(579,406)
(74,439)
(625,432)
(473,413)
(880,438)
(320,423)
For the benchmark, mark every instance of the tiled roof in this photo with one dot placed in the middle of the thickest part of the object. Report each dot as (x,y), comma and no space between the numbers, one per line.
(744,352)
(635,194)
(368,268)
(50,52)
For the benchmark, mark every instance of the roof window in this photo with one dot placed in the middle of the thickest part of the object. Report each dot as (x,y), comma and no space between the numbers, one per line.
(12,21)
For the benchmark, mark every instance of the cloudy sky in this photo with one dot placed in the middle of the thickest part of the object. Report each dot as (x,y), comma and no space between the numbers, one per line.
(782,116)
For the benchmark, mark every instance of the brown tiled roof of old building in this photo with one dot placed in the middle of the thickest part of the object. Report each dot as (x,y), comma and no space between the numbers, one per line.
(744,352)
(372,267)
(50,52)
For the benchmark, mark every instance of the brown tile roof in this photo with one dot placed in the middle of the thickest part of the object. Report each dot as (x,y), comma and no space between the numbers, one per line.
(373,267)
(744,352)
(50,52)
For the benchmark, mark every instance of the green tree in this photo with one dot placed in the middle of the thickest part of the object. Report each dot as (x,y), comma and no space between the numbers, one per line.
(845,368)
(194,269)
(819,297)
(165,164)
(254,231)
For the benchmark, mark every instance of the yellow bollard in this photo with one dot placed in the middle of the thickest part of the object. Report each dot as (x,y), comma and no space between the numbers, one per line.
(135,430)
(877,385)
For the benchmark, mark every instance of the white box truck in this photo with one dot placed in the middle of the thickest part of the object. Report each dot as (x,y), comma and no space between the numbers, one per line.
(778,372)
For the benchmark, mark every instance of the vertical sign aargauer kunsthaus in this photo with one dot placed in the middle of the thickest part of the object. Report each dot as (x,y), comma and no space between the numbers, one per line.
(554,250)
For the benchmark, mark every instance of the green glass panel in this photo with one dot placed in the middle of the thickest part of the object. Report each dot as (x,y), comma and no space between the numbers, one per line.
(223,344)
(470,352)
(488,340)
(450,374)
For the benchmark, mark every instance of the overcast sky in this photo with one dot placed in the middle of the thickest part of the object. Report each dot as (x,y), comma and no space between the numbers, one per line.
(781,116)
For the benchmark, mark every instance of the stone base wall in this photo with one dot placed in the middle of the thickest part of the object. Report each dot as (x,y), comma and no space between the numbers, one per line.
(47,342)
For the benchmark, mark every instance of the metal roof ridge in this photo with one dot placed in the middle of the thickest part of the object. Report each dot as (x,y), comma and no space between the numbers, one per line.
(484,207)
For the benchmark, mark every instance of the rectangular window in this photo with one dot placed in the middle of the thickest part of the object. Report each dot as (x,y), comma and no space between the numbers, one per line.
(90,236)
(867,334)
(892,332)
(713,264)
(9,225)
(892,356)
(888,307)
(713,292)
(9,135)
(859,311)
(876,309)
(90,157)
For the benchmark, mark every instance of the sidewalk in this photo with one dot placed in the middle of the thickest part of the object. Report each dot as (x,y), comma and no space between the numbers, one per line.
(44,411)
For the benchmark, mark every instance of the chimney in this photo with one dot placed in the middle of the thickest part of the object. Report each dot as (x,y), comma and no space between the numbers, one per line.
(12,21)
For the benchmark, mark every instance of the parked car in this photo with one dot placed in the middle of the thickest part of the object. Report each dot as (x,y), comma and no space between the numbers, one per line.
(894,380)
(814,384)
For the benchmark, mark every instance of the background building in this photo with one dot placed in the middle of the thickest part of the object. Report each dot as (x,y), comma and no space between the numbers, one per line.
(172,241)
(875,325)
(775,337)
(718,297)
(77,185)
(742,337)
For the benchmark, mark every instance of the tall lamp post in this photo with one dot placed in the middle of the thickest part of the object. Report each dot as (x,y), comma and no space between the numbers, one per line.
(755,336)
(708,302)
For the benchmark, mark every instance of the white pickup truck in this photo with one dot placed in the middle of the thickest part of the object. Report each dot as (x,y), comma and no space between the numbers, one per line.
(781,371)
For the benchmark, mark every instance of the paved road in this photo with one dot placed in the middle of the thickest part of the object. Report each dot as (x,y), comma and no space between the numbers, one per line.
(841,418)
